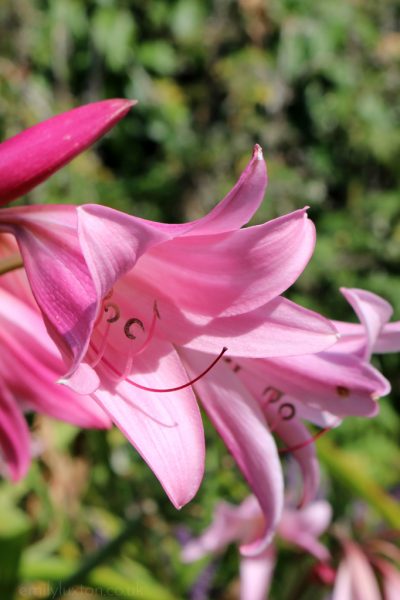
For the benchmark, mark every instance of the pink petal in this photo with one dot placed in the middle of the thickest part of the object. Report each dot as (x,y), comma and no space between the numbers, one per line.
(342,589)
(390,579)
(14,436)
(57,273)
(113,241)
(237,208)
(230,524)
(303,527)
(31,364)
(278,328)
(166,429)
(363,582)
(238,419)
(372,310)
(33,155)
(231,273)
(341,385)
(389,339)
(256,574)
(293,433)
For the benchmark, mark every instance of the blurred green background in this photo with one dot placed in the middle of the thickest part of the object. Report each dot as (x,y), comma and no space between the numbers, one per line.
(317,84)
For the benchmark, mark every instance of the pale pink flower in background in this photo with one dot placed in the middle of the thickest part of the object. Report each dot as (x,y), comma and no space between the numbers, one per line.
(29,367)
(119,294)
(357,573)
(299,527)
(321,388)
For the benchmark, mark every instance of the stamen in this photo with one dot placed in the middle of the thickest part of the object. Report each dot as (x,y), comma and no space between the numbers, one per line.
(290,411)
(116,314)
(281,416)
(173,389)
(311,440)
(273,395)
(103,346)
(128,325)
(110,320)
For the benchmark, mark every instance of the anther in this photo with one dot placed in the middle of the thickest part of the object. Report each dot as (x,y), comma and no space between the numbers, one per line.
(343,391)
(274,395)
(128,326)
(116,310)
(287,408)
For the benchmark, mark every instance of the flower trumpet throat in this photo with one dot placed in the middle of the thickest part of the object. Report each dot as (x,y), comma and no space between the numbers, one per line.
(128,327)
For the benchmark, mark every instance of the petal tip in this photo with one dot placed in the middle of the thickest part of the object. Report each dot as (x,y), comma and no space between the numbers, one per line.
(258,152)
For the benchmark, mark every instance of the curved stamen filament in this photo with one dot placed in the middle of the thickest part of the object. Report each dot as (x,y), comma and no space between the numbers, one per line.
(311,440)
(173,389)
(110,320)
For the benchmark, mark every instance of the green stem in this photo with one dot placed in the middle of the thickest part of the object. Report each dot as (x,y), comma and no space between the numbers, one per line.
(350,470)
(10,264)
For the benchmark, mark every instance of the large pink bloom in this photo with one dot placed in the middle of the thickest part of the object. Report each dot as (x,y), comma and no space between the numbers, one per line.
(29,367)
(204,285)
(240,524)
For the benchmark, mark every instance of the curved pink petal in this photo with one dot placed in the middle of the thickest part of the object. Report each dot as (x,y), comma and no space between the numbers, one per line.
(230,524)
(303,527)
(31,364)
(231,273)
(280,328)
(237,208)
(328,381)
(14,436)
(238,419)
(363,582)
(293,433)
(57,272)
(372,310)
(112,242)
(390,579)
(256,574)
(389,339)
(166,429)
(33,155)
(342,589)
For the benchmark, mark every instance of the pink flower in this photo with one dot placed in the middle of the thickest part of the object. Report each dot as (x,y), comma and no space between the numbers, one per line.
(120,294)
(356,579)
(29,368)
(240,524)
(321,388)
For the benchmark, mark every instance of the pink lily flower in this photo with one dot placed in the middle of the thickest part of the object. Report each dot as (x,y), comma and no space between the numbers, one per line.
(30,157)
(239,524)
(321,388)
(29,368)
(200,285)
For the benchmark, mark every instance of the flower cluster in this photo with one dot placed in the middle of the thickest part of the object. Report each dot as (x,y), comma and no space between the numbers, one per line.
(138,321)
